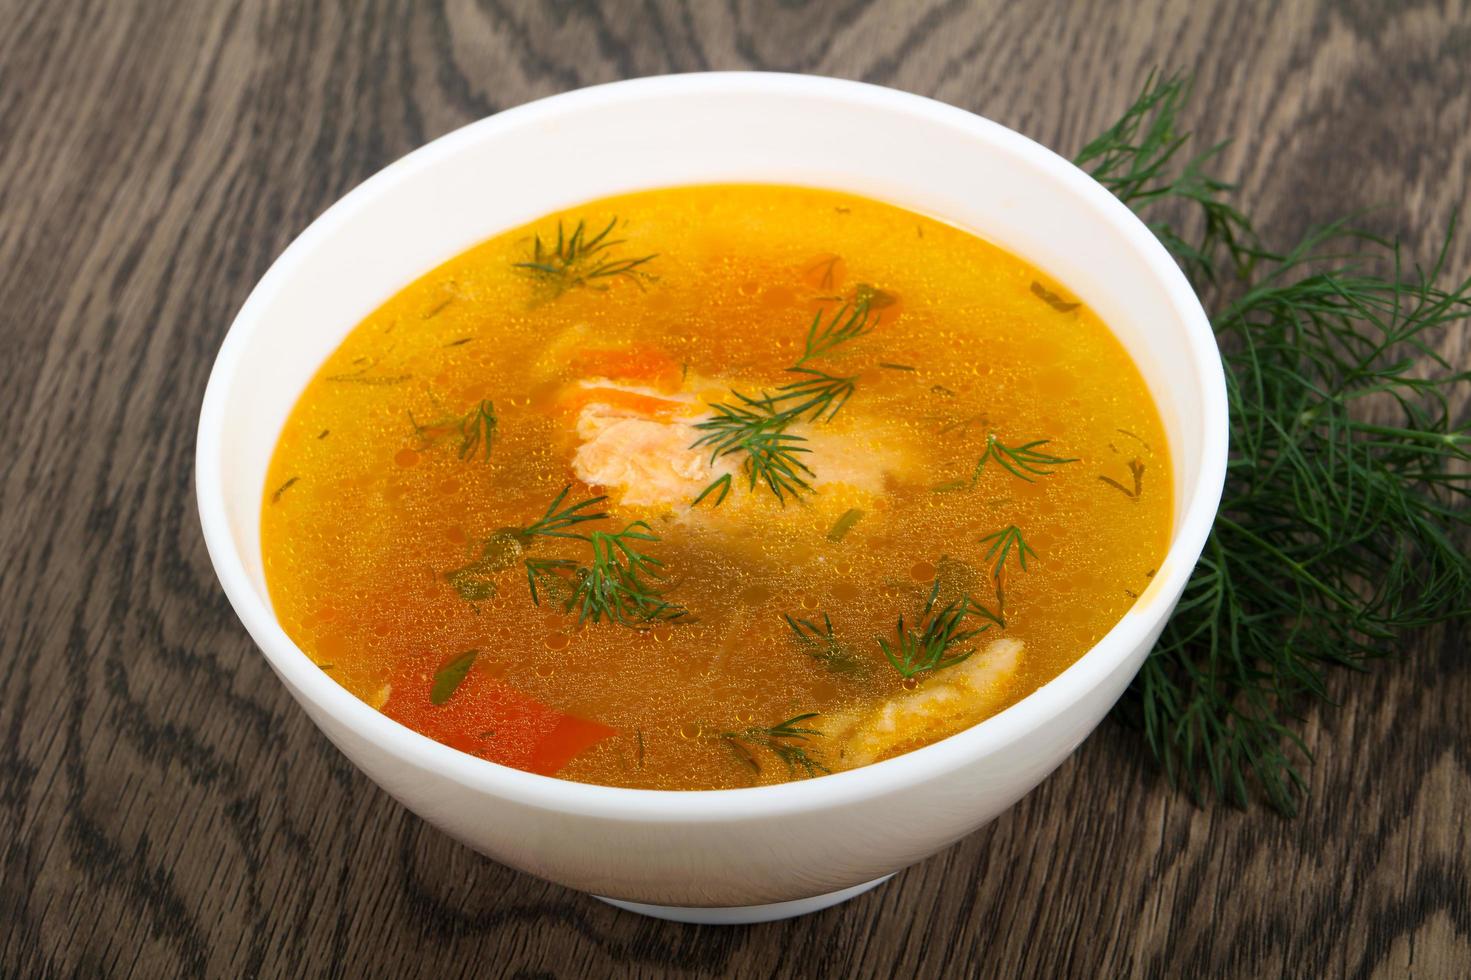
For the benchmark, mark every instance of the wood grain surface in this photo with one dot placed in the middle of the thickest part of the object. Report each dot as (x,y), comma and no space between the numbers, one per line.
(166,809)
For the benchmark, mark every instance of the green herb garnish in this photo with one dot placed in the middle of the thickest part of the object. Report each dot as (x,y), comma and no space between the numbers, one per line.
(844,524)
(785,740)
(505,546)
(1345,508)
(616,584)
(936,643)
(557,519)
(579,259)
(821,645)
(1136,467)
(852,320)
(276,495)
(449,677)
(756,427)
(476,430)
(1004,543)
(1052,299)
(1019,460)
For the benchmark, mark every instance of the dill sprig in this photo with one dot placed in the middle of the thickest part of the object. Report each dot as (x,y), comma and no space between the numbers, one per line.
(854,319)
(753,428)
(822,645)
(756,428)
(817,392)
(620,583)
(934,644)
(1021,460)
(475,581)
(786,740)
(1004,543)
(582,259)
(557,519)
(1343,520)
(476,429)
(616,585)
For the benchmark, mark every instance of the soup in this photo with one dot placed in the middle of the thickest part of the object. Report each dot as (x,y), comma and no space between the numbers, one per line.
(709,487)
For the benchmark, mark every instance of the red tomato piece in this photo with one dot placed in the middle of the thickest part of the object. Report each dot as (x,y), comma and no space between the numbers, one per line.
(491,720)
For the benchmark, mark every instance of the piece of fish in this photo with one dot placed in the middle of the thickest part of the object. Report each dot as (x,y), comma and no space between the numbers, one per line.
(636,442)
(947,702)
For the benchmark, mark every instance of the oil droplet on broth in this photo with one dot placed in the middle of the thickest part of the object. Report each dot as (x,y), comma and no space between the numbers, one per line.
(662,634)
(909,683)
(922,572)
(406,458)
(689,730)
(755,594)
(558,641)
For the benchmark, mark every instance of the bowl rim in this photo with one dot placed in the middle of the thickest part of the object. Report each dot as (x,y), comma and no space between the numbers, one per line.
(895,775)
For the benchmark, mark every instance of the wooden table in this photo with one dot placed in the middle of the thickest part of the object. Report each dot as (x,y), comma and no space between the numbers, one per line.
(166,810)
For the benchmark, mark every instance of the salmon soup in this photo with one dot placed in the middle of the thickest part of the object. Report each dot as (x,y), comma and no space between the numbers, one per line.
(708,487)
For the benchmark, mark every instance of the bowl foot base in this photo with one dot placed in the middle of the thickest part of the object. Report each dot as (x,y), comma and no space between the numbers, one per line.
(742,914)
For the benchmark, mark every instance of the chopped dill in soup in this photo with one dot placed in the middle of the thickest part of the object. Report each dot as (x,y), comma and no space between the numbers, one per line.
(709,487)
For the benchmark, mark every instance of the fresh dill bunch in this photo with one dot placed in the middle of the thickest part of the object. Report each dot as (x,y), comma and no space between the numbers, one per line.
(1343,521)
(822,645)
(582,259)
(934,645)
(786,740)
(1136,158)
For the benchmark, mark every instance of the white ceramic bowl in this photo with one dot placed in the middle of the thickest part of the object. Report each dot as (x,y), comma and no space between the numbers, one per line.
(712,855)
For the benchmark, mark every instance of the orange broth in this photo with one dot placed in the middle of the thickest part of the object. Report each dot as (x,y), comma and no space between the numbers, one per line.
(389,482)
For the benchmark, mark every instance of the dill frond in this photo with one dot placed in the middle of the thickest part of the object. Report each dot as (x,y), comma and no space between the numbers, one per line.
(854,319)
(1019,460)
(579,259)
(557,519)
(1004,543)
(620,583)
(934,645)
(1345,510)
(476,430)
(756,427)
(786,740)
(817,392)
(616,585)
(823,646)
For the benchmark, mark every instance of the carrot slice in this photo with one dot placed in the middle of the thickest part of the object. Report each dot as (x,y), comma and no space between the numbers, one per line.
(647,364)
(491,720)
(648,406)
